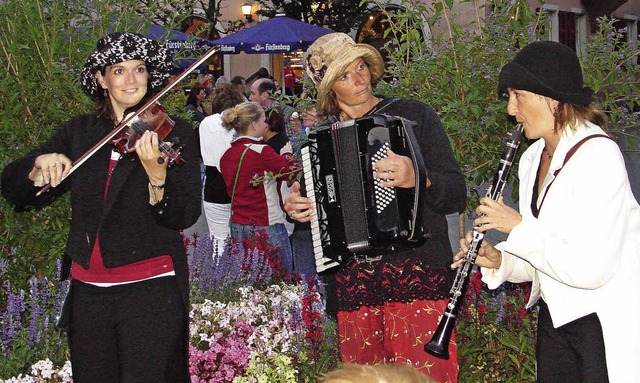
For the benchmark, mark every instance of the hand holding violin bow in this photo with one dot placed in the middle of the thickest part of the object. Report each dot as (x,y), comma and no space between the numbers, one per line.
(133,126)
(50,169)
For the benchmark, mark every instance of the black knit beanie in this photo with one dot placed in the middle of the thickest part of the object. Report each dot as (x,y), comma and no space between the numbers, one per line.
(549,69)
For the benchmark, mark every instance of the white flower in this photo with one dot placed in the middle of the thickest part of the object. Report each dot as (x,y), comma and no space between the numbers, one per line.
(43,368)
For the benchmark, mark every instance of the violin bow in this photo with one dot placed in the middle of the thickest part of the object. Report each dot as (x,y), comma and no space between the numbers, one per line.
(134,115)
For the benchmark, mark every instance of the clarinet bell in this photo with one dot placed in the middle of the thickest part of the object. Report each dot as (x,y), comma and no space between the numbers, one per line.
(438,346)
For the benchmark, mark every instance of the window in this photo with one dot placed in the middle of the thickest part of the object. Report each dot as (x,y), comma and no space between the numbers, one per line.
(628,27)
(568,28)
(567,23)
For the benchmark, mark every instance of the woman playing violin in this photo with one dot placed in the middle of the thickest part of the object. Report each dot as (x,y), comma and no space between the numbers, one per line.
(125,256)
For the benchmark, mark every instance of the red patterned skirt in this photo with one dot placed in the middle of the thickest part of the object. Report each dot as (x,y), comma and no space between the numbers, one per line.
(388,311)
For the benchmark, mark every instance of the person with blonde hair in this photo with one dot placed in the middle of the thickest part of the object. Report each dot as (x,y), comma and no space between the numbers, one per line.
(256,207)
(380,373)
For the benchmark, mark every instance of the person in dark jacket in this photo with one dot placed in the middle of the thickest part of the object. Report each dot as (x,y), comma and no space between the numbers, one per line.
(129,301)
(194,102)
(389,305)
(274,134)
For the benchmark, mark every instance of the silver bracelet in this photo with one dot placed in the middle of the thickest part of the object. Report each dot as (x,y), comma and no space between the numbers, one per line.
(156,187)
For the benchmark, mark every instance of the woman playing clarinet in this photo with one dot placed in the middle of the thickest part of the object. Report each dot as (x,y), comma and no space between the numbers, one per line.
(577,231)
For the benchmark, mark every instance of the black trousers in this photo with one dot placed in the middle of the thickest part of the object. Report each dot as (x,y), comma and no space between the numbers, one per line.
(573,352)
(129,333)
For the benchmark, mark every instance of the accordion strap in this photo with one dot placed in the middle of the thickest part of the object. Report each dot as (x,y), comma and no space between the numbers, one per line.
(382,105)
(420,173)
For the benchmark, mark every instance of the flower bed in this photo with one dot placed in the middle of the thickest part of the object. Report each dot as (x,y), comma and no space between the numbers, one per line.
(495,334)
(258,328)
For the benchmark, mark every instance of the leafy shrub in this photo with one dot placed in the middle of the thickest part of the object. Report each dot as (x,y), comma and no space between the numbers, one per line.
(27,333)
(457,74)
(495,334)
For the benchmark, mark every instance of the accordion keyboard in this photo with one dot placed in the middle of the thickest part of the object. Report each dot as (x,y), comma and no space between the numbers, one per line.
(322,263)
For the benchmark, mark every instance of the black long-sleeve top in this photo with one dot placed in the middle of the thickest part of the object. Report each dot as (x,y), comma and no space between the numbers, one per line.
(130,228)
(447,193)
(421,273)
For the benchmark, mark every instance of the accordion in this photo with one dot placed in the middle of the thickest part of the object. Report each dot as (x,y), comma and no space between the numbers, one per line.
(353,214)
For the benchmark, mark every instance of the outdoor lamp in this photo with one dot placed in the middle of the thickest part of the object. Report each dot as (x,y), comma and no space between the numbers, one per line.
(246,11)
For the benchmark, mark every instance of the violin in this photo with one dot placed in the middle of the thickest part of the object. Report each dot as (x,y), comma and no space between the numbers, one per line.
(129,128)
(153,118)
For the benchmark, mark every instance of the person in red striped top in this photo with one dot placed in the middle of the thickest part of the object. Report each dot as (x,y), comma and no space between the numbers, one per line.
(256,208)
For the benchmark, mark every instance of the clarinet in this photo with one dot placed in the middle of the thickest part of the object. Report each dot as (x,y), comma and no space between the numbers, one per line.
(439,344)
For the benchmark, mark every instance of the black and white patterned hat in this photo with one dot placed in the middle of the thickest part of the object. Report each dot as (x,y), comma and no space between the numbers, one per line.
(124,46)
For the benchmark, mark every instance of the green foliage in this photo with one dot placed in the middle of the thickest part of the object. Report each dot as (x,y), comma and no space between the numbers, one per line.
(495,334)
(457,74)
(337,15)
(213,14)
(609,68)
(26,331)
(269,369)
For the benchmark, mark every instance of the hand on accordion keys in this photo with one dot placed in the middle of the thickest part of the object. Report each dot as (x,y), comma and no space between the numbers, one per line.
(296,206)
(395,171)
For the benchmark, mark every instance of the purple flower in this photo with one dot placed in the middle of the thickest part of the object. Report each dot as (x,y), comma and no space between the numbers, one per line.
(11,318)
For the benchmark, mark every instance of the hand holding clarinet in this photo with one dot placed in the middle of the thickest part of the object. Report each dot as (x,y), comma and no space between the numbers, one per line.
(493,214)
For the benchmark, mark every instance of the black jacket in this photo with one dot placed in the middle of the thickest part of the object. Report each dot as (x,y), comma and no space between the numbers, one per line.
(447,193)
(130,228)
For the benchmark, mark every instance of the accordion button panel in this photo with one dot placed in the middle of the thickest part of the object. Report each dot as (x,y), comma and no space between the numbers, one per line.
(383,196)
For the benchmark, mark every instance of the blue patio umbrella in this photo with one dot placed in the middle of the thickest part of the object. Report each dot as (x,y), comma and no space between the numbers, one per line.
(186,47)
(277,35)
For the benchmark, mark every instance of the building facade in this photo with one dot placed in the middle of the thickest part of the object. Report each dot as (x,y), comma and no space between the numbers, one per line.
(570,22)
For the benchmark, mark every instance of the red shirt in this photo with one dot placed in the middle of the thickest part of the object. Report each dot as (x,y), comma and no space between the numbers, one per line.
(259,205)
(289,77)
(98,273)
